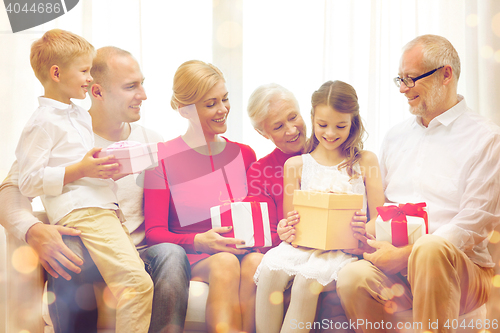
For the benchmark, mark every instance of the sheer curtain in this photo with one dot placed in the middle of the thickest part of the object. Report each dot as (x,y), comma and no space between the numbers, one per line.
(303,45)
(291,42)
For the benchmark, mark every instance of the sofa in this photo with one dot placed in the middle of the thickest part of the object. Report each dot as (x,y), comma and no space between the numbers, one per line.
(23,304)
(23,297)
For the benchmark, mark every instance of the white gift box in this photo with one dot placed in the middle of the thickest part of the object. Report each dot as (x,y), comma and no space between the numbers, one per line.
(416,227)
(250,222)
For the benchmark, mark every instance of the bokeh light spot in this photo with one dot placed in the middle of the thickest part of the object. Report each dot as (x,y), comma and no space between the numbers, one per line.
(222,327)
(276,298)
(486,52)
(397,290)
(494,236)
(24,259)
(390,307)
(85,297)
(496,281)
(315,288)
(49,297)
(108,298)
(129,293)
(495,24)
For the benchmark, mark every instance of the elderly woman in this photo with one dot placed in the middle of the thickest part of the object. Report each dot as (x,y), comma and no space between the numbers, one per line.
(197,171)
(274,113)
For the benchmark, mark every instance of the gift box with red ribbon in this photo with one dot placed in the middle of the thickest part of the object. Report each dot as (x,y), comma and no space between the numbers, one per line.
(250,222)
(133,156)
(401,224)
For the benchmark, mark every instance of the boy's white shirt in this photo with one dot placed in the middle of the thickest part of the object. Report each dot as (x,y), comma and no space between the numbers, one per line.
(56,136)
(16,215)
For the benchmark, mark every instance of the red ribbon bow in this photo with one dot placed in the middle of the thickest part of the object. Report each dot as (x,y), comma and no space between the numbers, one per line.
(398,215)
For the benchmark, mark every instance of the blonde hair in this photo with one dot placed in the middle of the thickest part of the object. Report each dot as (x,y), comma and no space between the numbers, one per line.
(341,97)
(437,51)
(100,67)
(261,99)
(192,80)
(57,47)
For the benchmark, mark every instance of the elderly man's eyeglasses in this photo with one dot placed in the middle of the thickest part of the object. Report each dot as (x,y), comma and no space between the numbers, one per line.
(410,81)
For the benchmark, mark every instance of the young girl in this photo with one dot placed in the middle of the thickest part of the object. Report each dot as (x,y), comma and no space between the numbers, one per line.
(336,153)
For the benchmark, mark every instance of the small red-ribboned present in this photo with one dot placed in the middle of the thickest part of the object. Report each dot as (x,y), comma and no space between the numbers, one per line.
(401,224)
(250,222)
(133,157)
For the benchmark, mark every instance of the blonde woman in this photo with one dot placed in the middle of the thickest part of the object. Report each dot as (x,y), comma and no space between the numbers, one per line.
(196,171)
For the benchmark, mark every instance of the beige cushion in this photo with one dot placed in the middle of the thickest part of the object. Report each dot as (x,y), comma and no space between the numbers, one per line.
(195,316)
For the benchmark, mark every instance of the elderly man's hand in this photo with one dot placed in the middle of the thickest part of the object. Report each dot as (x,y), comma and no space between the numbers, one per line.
(363,247)
(388,258)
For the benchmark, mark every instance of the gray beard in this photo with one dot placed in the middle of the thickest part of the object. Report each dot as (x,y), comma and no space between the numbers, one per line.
(426,108)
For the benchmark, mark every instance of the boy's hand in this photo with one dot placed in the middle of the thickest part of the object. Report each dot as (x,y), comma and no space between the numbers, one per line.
(103,167)
(89,166)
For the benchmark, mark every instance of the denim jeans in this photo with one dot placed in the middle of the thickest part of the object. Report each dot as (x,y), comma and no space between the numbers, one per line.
(74,308)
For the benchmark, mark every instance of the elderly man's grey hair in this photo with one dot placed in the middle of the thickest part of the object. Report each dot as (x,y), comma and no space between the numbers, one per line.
(437,51)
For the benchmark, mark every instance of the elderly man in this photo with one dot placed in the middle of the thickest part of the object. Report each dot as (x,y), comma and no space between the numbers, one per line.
(448,157)
(117,93)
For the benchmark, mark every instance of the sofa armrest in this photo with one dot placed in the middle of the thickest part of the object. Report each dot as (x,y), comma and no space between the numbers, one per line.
(25,279)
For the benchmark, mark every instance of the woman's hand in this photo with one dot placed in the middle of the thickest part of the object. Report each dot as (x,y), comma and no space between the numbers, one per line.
(286,227)
(212,242)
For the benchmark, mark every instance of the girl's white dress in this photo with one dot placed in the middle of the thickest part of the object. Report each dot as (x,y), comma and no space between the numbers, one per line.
(320,265)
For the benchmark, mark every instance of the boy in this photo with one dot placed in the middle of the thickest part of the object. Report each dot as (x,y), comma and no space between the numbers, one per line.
(56,162)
